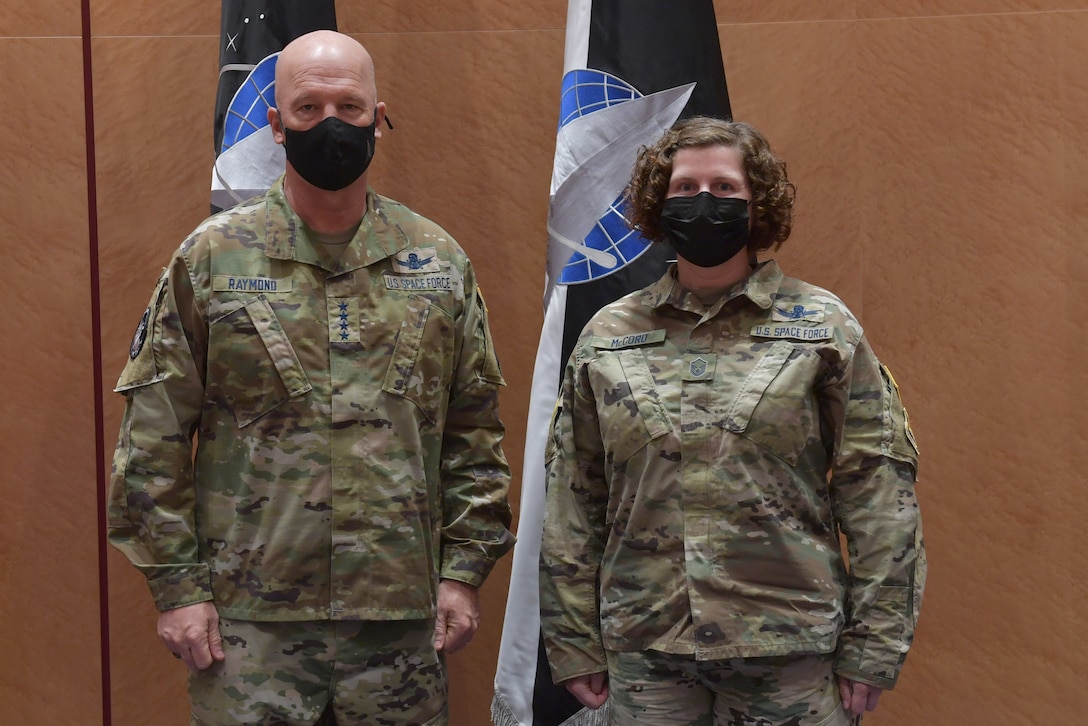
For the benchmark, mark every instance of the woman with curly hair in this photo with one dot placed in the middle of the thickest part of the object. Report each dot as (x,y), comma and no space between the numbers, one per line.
(716,432)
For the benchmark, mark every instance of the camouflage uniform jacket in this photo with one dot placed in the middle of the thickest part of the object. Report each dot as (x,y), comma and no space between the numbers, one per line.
(701,464)
(347,439)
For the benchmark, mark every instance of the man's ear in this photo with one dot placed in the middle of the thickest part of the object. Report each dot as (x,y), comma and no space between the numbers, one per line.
(379,118)
(276,123)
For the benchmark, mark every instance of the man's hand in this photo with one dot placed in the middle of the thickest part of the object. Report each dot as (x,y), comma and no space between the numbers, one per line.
(590,690)
(857,698)
(192,634)
(458,615)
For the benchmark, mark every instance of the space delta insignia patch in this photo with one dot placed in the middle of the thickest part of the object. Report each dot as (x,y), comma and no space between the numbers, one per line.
(140,336)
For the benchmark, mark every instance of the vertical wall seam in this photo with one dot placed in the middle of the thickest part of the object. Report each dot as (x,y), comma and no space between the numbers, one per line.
(96,347)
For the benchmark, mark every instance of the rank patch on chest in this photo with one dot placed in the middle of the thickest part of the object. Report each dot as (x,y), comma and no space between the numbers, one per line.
(417,260)
(699,367)
(343,319)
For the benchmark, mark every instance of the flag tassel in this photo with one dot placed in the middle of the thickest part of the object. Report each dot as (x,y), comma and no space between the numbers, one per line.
(503,715)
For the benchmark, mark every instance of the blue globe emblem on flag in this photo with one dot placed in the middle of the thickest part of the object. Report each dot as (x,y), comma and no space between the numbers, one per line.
(248,110)
(586,91)
(249,159)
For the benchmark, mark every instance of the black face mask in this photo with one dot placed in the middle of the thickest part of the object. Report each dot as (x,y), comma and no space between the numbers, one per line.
(332,154)
(706,230)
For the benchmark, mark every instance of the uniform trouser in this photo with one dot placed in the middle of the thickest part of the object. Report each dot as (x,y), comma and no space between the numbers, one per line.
(323,672)
(660,689)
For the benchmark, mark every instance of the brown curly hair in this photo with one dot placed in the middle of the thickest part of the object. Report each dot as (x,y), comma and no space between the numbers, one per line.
(772,192)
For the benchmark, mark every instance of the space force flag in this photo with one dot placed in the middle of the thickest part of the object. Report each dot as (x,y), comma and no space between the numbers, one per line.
(252,32)
(631,69)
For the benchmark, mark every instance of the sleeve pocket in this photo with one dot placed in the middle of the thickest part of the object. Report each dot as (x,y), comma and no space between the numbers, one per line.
(141,367)
(886,620)
(897,440)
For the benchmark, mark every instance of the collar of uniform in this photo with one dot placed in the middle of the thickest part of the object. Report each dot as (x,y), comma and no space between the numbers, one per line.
(378,237)
(665,290)
(759,287)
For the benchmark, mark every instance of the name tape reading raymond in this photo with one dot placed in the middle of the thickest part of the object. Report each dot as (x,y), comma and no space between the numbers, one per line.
(232,283)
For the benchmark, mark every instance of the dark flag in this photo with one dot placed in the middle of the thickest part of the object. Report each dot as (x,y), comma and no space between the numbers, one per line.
(249,32)
(632,68)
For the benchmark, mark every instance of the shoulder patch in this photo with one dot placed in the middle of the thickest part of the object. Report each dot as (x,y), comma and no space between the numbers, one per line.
(140,369)
(140,336)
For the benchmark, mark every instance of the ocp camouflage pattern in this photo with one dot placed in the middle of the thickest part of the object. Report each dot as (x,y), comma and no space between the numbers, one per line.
(321,673)
(701,465)
(347,447)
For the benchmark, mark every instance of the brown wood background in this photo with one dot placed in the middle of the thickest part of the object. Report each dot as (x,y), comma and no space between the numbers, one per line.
(938,149)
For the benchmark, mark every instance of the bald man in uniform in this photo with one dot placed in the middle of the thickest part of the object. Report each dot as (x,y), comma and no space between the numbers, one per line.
(309,470)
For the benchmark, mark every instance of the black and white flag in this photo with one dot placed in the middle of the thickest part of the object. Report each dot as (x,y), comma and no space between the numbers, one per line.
(252,32)
(631,69)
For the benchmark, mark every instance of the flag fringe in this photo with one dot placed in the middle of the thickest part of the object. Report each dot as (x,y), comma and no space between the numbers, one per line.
(503,715)
(588,717)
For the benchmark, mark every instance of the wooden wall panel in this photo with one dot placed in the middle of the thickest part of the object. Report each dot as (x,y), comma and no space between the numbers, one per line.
(49,614)
(153,99)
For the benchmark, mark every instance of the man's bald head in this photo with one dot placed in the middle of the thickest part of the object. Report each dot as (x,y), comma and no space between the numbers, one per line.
(324,56)
(319,76)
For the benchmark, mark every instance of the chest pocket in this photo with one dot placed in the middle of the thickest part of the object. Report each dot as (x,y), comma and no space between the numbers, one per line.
(775,406)
(422,364)
(630,412)
(252,366)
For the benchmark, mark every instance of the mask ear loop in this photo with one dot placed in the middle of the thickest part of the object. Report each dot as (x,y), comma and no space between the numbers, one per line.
(388,122)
